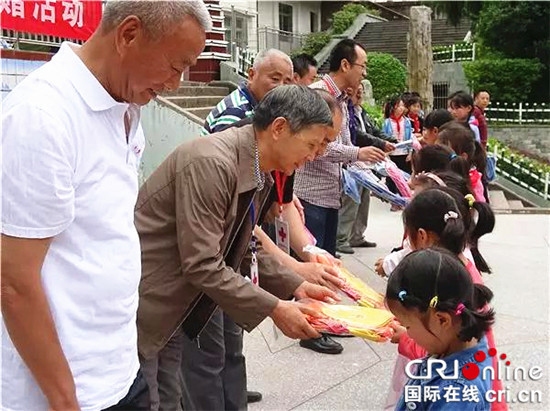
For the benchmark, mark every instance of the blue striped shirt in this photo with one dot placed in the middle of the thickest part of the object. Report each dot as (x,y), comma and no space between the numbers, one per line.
(234,107)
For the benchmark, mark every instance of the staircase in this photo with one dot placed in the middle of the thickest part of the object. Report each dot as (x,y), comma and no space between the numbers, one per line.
(391,37)
(197,99)
(505,201)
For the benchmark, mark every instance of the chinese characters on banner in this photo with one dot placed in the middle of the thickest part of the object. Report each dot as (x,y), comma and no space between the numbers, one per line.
(73,19)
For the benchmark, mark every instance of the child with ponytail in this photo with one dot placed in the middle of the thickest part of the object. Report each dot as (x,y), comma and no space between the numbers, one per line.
(446,314)
(460,140)
(434,219)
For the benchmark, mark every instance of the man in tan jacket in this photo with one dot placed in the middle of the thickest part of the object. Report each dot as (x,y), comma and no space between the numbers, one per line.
(195,216)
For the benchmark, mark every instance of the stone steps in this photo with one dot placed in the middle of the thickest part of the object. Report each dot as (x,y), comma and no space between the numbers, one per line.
(201,112)
(188,102)
(498,200)
(198,91)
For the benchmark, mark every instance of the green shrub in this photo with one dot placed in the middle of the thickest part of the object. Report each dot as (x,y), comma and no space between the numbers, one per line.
(508,80)
(375,113)
(314,43)
(387,75)
(343,19)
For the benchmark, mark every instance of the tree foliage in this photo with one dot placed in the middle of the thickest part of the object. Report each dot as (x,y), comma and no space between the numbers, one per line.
(508,80)
(387,75)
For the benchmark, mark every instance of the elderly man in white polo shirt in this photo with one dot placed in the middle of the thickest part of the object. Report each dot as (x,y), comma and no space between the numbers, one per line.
(72,141)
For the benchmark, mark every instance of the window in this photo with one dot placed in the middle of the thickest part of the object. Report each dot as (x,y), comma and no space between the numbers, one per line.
(441,92)
(313,22)
(285,17)
(241,29)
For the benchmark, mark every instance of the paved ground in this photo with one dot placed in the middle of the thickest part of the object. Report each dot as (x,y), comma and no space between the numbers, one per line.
(291,377)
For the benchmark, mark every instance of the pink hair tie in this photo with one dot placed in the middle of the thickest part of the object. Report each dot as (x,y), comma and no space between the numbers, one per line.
(459,309)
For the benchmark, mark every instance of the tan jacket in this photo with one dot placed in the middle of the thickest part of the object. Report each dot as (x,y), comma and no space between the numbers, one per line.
(193,216)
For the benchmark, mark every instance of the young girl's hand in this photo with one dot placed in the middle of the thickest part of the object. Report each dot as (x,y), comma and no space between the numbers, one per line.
(398,331)
(378,268)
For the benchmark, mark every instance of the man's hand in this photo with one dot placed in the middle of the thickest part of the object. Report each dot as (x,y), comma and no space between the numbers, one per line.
(315,292)
(290,318)
(320,274)
(371,154)
(299,207)
(389,147)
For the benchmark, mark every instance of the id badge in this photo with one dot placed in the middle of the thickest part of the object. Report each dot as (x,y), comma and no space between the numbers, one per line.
(254,276)
(282,235)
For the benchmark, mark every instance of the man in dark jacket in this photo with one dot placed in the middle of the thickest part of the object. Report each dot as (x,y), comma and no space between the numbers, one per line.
(353,217)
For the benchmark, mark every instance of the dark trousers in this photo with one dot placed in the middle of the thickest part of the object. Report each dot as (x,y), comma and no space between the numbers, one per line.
(204,374)
(137,399)
(213,367)
(400,161)
(322,222)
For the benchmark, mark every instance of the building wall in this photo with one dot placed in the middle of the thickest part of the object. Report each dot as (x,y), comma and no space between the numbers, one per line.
(268,14)
(247,8)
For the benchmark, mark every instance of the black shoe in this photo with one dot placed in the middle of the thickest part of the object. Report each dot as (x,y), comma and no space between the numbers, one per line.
(345,249)
(253,396)
(324,345)
(363,243)
(338,256)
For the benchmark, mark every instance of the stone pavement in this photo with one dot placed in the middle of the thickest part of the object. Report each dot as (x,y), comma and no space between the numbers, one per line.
(291,377)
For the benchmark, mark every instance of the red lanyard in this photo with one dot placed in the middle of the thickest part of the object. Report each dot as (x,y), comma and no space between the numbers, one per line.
(280,184)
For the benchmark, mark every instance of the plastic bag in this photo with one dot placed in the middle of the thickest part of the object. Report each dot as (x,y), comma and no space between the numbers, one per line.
(367,179)
(398,178)
(350,186)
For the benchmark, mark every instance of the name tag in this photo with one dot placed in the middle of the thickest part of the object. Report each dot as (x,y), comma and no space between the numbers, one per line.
(282,235)
(254,275)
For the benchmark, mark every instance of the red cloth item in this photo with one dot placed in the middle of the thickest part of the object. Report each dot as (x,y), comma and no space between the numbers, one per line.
(416,122)
(477,185)
(397,122)
(479,115)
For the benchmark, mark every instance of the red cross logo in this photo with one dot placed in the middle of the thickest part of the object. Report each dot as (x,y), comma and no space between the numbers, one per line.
(282,234)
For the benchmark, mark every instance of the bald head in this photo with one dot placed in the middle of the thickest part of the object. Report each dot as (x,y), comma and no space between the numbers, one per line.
(272,68)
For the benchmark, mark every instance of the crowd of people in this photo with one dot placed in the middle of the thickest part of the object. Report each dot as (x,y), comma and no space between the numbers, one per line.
(120,297)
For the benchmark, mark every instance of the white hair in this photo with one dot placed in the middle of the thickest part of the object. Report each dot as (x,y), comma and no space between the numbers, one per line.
(157,16)
(265,55)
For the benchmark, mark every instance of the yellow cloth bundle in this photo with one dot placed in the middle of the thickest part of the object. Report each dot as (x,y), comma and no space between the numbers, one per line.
(370,323)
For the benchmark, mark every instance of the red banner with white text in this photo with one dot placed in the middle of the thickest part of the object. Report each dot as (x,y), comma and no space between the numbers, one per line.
(73,19)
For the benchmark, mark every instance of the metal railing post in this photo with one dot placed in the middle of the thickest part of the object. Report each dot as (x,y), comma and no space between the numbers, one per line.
(233,34)
(473,51)
(520,112)
(546,181)
(453,54)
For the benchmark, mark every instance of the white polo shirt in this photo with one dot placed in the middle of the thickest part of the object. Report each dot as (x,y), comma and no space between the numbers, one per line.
(69,173)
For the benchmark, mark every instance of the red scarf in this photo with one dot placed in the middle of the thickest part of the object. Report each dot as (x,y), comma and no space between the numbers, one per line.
(398,122)
(416,122)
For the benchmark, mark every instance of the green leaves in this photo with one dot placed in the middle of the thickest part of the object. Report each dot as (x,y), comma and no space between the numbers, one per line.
(314,43)
(343,19)
(508,80)
(387,75)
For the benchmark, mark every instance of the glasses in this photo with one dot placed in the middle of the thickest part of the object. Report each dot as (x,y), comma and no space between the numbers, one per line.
(363,67)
